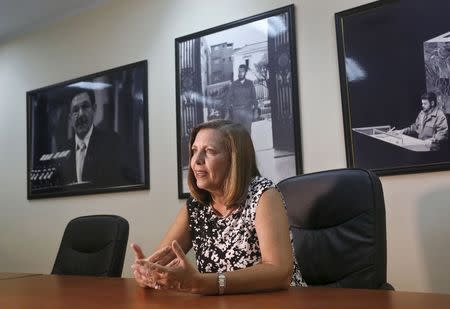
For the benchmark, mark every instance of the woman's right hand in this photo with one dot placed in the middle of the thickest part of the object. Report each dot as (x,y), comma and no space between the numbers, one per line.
(163,257)
(138,271)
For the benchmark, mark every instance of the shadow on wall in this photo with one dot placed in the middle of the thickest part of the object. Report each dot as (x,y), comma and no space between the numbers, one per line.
(433,215)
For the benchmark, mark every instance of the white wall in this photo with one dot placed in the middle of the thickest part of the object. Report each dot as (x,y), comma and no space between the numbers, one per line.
(121,32)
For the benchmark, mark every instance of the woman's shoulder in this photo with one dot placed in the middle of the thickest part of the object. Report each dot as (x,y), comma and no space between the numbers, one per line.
(196,210)
(259,182)
(258,186)
(192,202)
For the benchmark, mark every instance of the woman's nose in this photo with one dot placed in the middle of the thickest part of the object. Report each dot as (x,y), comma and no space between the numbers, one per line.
(199,157)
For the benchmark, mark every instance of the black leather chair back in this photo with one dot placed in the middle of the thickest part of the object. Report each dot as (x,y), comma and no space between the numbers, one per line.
(338,223)
(93,246)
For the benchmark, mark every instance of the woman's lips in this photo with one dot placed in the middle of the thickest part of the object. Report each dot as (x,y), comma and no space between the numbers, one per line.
(200,174)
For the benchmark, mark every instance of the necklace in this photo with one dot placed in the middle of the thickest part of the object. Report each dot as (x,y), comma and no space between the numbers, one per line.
(228,212)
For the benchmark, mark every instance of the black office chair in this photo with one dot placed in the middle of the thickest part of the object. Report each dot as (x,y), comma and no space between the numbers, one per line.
(93,246)
(338,224)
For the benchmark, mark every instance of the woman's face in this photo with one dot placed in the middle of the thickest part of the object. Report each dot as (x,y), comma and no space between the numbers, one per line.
(210,160)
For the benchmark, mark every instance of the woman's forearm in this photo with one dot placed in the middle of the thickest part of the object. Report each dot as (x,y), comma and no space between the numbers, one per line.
(260,277)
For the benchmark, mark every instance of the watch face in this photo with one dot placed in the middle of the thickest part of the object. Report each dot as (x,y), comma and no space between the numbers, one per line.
(222,282)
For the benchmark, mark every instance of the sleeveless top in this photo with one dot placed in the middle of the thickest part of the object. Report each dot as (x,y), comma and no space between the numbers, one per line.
(231,243)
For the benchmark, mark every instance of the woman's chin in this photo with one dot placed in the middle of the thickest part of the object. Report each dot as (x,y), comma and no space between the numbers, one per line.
(202,185)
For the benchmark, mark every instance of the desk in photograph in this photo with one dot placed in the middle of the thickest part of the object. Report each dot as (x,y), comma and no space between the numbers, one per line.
(387,135)
(49,291)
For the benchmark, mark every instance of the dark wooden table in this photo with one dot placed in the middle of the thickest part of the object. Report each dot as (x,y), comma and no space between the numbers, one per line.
(47,291)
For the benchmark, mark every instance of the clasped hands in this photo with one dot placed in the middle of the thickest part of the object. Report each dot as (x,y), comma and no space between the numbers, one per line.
(167,268)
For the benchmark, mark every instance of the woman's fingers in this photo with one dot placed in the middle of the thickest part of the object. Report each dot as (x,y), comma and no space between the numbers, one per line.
(164,269)
(150,266)
(137,272)
(161,277)
(145,275)
(178,251)
(167,259)
(173,263)
(137,251)
(161,252)
(139,278)
(162,256)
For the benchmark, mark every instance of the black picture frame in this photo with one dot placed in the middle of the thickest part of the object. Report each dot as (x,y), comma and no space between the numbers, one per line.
(387,61)
(115,157)
(207,63)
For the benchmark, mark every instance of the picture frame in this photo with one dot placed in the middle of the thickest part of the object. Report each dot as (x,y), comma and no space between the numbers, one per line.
(89,134)
(389,64)
(207,65)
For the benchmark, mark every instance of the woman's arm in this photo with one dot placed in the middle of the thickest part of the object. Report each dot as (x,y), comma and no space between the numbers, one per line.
(273,273)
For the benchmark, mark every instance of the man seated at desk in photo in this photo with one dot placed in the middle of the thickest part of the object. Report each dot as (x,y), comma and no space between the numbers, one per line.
(431,123)
(98,157)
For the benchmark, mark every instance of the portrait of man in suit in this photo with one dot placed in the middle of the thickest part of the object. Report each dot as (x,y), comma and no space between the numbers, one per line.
(99,157)
(89,135)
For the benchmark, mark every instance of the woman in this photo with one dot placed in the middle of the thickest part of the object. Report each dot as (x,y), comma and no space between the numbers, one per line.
(235,221)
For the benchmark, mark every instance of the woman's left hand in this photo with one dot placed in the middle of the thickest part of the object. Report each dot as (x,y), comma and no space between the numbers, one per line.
(179,274)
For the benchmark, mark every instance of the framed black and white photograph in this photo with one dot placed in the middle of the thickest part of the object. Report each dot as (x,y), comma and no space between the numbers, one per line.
(244,71)
(394,64)
(89,135)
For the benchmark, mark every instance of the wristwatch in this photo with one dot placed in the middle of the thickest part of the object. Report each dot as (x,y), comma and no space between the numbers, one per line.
(221,282)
